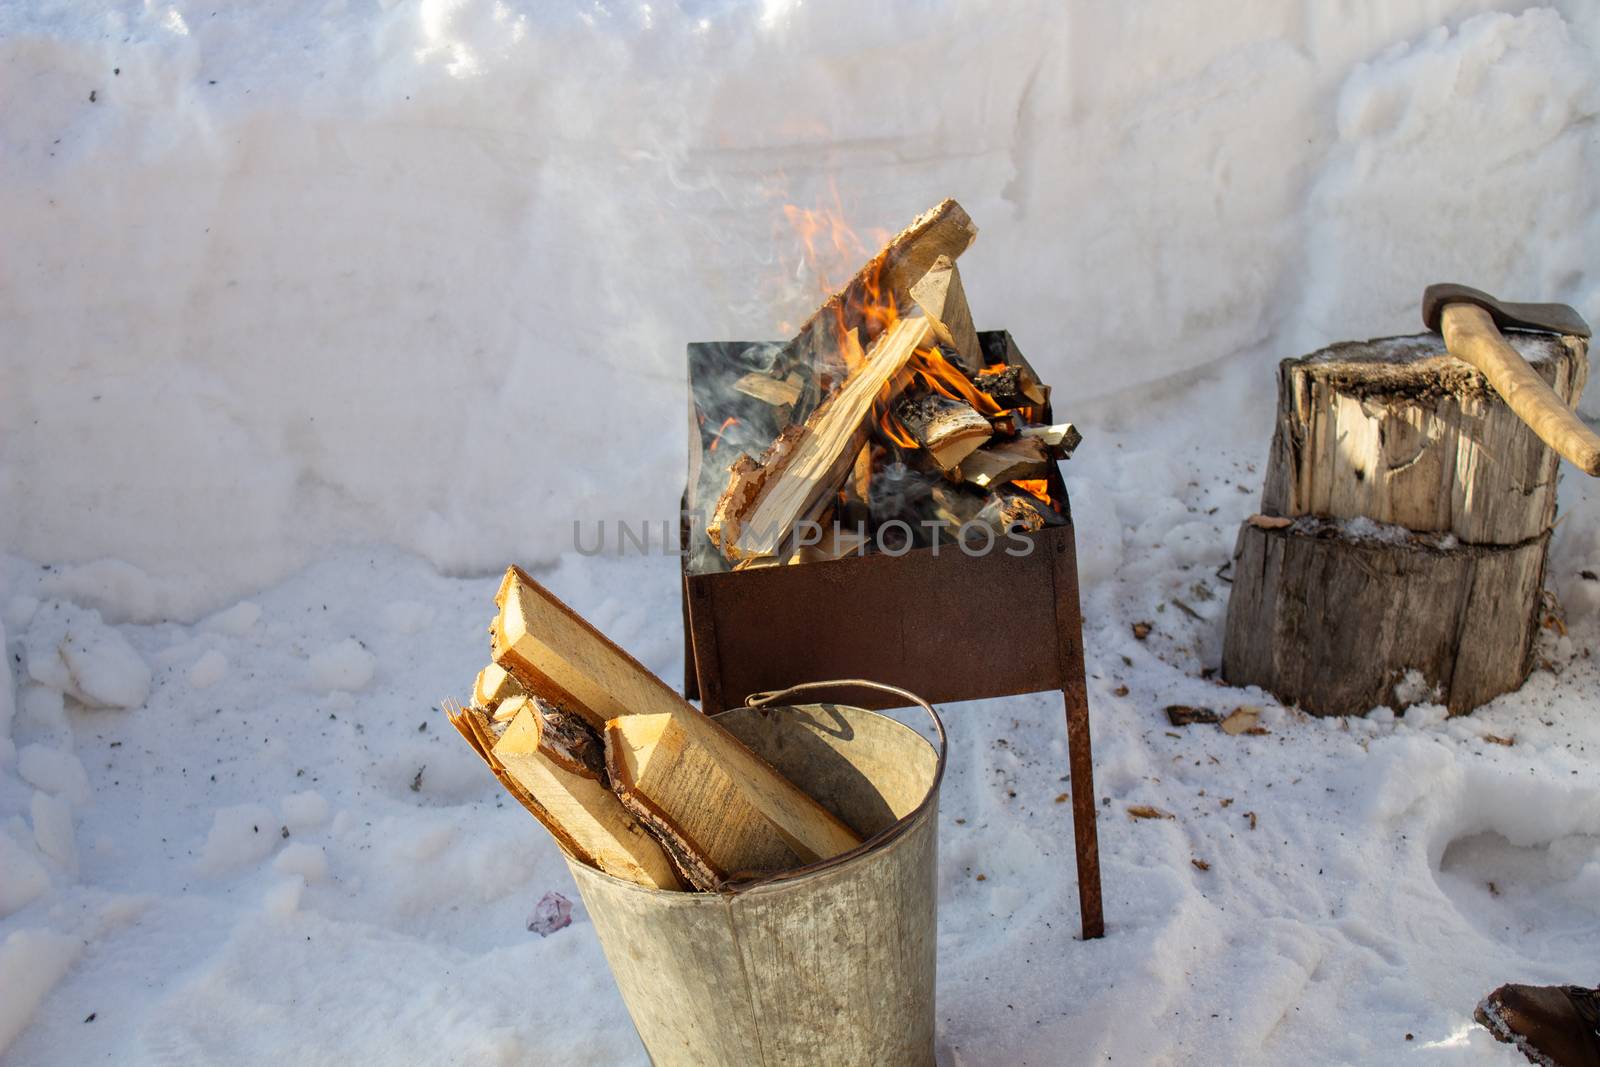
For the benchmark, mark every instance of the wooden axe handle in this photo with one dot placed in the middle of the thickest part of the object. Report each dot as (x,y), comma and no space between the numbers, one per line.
(1471,336)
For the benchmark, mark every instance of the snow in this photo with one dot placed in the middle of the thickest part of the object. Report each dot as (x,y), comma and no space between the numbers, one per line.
(208,670)
(295,285)
(70,649)
(346,665)
(348,247)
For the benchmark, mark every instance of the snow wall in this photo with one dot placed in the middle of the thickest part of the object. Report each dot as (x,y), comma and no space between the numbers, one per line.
(320,273)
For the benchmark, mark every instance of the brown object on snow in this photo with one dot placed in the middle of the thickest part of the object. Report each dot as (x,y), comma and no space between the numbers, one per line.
(1340,624)
(556,655)
(682,791)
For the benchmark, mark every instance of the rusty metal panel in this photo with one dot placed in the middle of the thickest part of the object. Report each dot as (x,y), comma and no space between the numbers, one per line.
(935,621)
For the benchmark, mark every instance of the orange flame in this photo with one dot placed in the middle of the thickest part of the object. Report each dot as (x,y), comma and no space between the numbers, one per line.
(861,309)
(727,424)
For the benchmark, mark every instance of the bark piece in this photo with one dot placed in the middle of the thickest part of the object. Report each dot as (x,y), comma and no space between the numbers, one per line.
(948,430)
(801,472)
(1338,623)
(555,654)
(558,761)
(1398,431)
(942,298)
(681,790)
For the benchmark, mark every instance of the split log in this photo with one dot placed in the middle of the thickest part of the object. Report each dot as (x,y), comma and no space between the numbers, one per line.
(779,392)
(948,430)
(943,299)
(1062,439)
(681,790)
(1011,387)
(559,762)
(1006,461)
(555,654)
(1340,623)
(799,474)
(945,231)
(493,686)
(1398,431)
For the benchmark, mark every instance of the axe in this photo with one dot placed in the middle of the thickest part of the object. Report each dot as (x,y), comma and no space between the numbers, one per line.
(1471,321)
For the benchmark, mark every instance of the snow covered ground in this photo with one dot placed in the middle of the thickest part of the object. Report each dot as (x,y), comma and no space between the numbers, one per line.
(284,848)
(277,284)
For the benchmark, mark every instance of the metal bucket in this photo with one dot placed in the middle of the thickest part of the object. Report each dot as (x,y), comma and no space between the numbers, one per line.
(832,963)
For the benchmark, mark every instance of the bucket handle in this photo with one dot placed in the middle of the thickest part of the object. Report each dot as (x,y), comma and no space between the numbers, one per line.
(888,833)
(761,700)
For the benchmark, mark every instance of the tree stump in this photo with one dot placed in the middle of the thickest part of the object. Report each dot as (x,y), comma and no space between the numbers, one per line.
(1409,512)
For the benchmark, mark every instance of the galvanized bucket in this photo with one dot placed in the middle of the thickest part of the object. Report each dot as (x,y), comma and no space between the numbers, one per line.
(832,963)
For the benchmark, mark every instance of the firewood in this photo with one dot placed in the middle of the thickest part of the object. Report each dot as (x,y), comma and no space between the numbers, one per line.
(948,430)
(559,761)
(683,792)
(1011,387)
(1012,509)
(943,299)
(555,654)
(1062,439)
(1005,461)
(999,348)
(800,473)
(494,684)
(779,392)
(954,506)
(945,231)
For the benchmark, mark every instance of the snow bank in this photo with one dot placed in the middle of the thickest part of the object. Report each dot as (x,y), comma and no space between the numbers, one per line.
(291,278)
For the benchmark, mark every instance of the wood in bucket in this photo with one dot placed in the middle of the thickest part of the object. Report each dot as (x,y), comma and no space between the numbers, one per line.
(833,962)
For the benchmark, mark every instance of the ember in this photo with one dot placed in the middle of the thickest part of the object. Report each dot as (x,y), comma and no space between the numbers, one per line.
(886,407)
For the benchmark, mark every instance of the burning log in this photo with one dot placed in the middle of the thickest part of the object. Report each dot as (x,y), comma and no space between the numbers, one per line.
(556,655)
(940,295)
(682,791)
(887,278)
(559,762)
(1011,387)
(799,474)
(948,430)
(1007,461)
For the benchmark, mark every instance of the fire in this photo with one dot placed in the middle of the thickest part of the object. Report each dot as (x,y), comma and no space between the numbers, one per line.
(869,301)
(716,439)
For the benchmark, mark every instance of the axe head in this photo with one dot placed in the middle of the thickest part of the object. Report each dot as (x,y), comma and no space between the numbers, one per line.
(1547,318)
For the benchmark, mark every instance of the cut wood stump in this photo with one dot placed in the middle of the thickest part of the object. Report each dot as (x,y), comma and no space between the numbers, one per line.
(1398,431)
(1341,623)
(1399,557)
